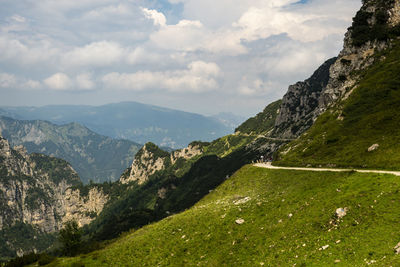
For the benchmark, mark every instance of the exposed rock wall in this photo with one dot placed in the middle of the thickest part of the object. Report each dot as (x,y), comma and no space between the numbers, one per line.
(299,103)
(35,196)
(334,80)
(186,153)
(394,14)
(83,209)
(147,161)
(151,159)
(28,194)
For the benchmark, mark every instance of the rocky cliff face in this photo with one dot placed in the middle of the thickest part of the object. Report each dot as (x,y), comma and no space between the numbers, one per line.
(151,159)
(35,192)
(83,209)
(30,193)
(147,161)
(187,153)
(296,113)
(337,77)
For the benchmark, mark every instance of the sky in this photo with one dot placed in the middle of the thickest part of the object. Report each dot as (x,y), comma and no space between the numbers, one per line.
(203,56)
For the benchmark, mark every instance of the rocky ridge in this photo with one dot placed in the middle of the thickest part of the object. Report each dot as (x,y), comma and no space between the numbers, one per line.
(187,153)
(151,159)
(93,156)
(83,209)
(35,190)
(337,77)
(147,161)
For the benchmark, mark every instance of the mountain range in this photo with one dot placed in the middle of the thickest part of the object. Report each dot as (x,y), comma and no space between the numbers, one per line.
(203,206)
(95,157)
(133,121)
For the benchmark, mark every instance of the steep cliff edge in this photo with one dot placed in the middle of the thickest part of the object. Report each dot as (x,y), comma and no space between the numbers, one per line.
(357,119)
(36,198)
(372,29)
(148,160)
(32,188)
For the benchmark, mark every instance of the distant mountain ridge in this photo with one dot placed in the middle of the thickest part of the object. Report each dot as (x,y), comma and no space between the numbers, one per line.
(229,119)
(93,156)
(347,114)
(130,120)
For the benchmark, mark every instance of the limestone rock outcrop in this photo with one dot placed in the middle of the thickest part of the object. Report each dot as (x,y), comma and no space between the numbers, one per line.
(147,161)
(336,78)
(37,191)
(187,153)
(83,209)
(151,159)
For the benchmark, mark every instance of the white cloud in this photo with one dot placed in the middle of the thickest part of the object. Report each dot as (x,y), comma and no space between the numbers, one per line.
(18,18)
(98,54)
(255,88)
(157,17)
(31,84)
(201,68)
(17,52)
(58,81)
(257,47)
(11,81)
(141,55)
(84,81)
(7,80)
(65,5)
(185,36)
(61,81)
(198,77)
(107,11)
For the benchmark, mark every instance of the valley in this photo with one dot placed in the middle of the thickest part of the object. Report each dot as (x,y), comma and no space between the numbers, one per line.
(329,193)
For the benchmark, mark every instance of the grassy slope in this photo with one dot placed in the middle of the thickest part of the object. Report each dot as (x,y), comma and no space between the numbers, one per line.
(191,180)
(371,116)
(184,182)
(207,235)
(262,122)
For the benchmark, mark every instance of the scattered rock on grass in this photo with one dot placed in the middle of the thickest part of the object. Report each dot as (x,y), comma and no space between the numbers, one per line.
(341,212)
(239,221)
(397,248)
(373,147)
(324,247)
(242,201)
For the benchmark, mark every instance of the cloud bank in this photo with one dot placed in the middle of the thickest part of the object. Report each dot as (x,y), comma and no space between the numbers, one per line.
(183,54)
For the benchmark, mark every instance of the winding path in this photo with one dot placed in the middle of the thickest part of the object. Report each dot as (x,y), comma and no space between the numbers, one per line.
(268,165)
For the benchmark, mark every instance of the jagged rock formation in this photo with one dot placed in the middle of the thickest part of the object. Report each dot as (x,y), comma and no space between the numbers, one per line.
(191,151)
(147,161)
(32,188)
(93,156)
(35,192)
(337,77)
(151,159)
(296,113)
(83,209)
